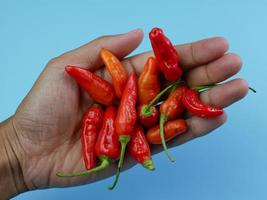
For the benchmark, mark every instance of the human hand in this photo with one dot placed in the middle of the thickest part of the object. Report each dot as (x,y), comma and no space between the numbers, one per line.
(46,126)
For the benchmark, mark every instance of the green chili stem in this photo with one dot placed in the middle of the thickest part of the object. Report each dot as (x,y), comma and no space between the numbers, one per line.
(156,98)
(202,87)
(162,120)
(148,164)
(124,139)
(105,163)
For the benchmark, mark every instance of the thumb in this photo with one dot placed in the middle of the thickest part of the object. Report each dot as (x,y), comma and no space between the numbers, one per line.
(88,55)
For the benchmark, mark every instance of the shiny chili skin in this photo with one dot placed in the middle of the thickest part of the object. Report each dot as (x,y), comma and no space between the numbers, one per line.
(173,106)
(91,124)
(107,146)
(125,120)
(148,114)
(139,148)
(170,109)
(193,104)
(148,82)
(116,70)
(126,116)
(108,142)
(171,130)
(166,55)
(99,89)
(148,120)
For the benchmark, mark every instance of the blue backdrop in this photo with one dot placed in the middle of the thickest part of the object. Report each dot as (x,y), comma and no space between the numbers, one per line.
(230,163)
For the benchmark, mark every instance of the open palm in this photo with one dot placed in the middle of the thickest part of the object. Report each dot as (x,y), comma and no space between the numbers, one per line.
(47,123)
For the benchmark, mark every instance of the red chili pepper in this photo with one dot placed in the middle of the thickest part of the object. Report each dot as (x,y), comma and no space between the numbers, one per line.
(166,55)
(148,114)
(91,124)
(108,144)
(150,119)
(139,148)
(126,118)
(171,130)
(116,71)
(148,82)
(193,104)
(99,89)
(170,109)
(107,147)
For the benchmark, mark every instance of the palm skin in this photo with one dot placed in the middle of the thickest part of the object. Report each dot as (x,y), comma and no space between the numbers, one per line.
(47,123)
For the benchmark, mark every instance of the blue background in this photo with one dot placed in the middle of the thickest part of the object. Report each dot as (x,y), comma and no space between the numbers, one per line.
(230,163)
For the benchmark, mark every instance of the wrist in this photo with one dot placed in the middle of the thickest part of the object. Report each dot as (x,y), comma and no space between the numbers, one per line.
(12,180)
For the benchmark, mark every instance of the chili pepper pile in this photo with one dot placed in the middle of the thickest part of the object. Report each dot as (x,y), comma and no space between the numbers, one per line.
(148,112)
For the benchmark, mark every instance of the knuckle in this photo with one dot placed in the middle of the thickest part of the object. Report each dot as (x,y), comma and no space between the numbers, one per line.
(56,61)
(193,54)
(103,37)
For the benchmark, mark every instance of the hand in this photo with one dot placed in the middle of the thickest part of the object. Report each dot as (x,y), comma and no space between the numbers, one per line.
(46,125)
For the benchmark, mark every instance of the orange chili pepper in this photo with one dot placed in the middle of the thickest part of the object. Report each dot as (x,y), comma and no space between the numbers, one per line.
(116,71)
(148,114)
(170,109)
(148,82)
(171,130)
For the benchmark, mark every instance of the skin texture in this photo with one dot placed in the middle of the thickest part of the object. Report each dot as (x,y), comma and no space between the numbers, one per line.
(43,136)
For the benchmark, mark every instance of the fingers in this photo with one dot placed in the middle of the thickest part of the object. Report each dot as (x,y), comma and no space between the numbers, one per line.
(221,96)
(201,52)
(191,55)
(214,72)
(225,94)
(88,55)
(197,127)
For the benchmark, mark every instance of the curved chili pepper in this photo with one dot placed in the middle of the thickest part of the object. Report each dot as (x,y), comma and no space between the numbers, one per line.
(107,147)
(193,104)
(116,71)
(139,148)
(148,82)
(91,124)
(148,114)
(166,55)
(170,109)
(126,118)
(171,130)
(99,89)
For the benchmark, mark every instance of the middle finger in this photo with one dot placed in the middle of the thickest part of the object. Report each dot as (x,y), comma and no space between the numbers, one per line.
(215,71)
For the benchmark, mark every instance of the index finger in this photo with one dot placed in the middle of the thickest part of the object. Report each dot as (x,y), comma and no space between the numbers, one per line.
(191,54)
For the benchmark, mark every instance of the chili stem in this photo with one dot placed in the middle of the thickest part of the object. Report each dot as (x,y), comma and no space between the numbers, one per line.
(202,87)
(162,120)
(156,98)
(105,163)
(148,164)
(253,90)
(124,139)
